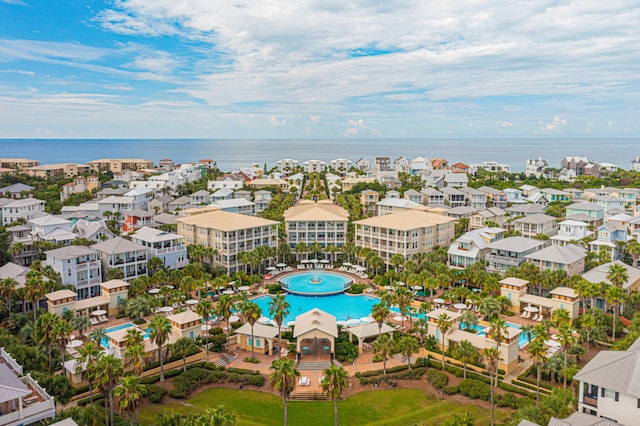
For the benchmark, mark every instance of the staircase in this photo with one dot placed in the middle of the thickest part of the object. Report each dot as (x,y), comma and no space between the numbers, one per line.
(225,359)
(307,396)
(315,365)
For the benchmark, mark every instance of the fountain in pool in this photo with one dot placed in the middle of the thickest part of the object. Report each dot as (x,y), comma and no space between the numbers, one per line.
(315,283)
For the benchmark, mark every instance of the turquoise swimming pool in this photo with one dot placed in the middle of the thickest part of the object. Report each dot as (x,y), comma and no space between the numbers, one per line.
(105,341)
(342,306)
(315,283)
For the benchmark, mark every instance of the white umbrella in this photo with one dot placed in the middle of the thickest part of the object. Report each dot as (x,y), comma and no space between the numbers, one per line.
(366,320)
(281,265)
(314,261)
(154,291)
(399,318)
(304,261)
(531,309)
(324,261)
(359,268)
(166,309)
(205,327)
(74,344)
(170,287)
(192,302)
(346,263)
(460,306)
(263,320)
(438,300)
(270,268)
(231,283)
(243,288)
(400,283)
(417,287)
(388,287)
(228,292)
(98,312)
(234,318)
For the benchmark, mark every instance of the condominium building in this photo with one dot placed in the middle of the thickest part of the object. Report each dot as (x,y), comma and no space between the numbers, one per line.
(341,165)
(404,233)
(12,210)
(17,163)
(165,245)
(314,166)
(322,222)
(227,233)
(287,164)
(79,184)
(78,266)
(57,171)
(117,165)
(127,256)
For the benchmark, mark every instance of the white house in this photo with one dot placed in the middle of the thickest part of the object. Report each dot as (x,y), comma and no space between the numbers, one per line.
(363,164)
(53,229)
(236,205)
(165,245)
(402,164)
(472,246)
(287,164)
(476,199)
(395,205)
(12,210)
(571,230)
(262,199)
(341,165)
(419,164)
(537,224)
(118,253)
(231,182)
(312,166)
(78,266)
(535,167)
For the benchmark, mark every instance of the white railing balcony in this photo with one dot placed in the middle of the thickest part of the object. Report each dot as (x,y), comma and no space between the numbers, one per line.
(11,362)
(171,249)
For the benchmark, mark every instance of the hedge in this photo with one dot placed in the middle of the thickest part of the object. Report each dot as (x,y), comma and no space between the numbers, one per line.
(438,379)
(155,393)
(475,389)
(190,380)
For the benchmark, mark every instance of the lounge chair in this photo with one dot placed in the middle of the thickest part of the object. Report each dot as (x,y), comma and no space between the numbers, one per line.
(93,321)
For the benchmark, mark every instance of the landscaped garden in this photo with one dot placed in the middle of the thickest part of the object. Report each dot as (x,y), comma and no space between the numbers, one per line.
(381,407)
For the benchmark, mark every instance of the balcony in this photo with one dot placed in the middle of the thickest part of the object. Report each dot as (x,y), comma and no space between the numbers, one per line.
(504,260)
(591,400)
(171,249)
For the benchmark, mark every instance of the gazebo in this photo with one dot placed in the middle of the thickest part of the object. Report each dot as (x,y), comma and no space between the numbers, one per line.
(365,331)
(316,332)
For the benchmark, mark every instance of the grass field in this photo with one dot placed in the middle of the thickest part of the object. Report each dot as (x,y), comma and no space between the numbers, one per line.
(384,407)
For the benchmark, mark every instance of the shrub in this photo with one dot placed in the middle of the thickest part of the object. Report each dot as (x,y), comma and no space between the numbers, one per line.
(274,288)
(451,390)
(139,321)
(217,343)
(377,358)
(251,360)
(155,393)
(177,394)
(507,400)
(257,380)
(475,389)
(438,379)
(346,351)
(357,288)
(523,402)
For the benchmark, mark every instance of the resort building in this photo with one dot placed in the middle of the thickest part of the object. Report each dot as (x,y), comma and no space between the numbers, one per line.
(200,197)
(388,178)
(21,234)
(516,196)
(228,233)
(475,198)
(402,165)
(12,210)
(404,233)
(495,197)
(536,307)
(535,167)
(93,230)
(456,180)
(208,164)
(235,205)
(312,166)
(79,184)
(164,245)
(492,167)
(341,165)
(453,197)
(112,294)
(510,252)
(382,164)
(117,165)
(369,200)
(610,203)
(261,338)
(492,216)
(571,231)
(160,204)
(261,200)
(57,171)
(16,191)
(53,229)
(117,253)
(322,222)
(581,166)
(281,184)
(287,164)
(569,258)
(536,225)
(553,195)
(608,385)
(79,267)
(599,274)
(315,331)
(22,400)
(232,181)
(363,164)
(17,163)
(472,246)
(419,164)
(395,205)
(413,195)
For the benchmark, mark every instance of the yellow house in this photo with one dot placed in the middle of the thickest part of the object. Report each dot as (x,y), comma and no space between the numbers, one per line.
(186,324)
(262,340)
(316,332)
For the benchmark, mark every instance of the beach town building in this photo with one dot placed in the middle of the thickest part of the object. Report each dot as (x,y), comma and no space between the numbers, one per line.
(536,167)
(17,163)
(261,199)
(208,163)
(610,203)
(532,226)
(495,197)
(413,195)
(456,180)
(160,204)
(21,234)
(475,198)
(575,194)
(567,175)
(402,165)
(281,184)
(585,208)
(117,253)
(599,275)
(227,233)
(141,198)
(341,165)
(382,164)
(388,178)
(287,165)
(79,267)
(608,386)
(12,210)
(117,165)
(200,197)
(569,258)
(510,252)
(433,178)
(582,166)
(221,194)
(635,164)
(112,294)
(516,196)
(231,181)
(179,204)
(322,222)
(111,191)
(369,200)
(350,182)
(609,237)
(492,216)
(419,164)
(53,229)
(439,163)
(112,204)
(472,246)
(17,191)
(539,199)
(313,166)
(235,205)
(183,174)
(405,233)
(79,184)
(395,205)
(522,210)
(7,172)
(454,197)
(553,195)
(22,400)
(393,194)
(57,171)
(492,166)
(93,230)
(164,245)
(461,168)
(518,292)
(431,196)
(571,231)
(363,164)
(166,164)
(461,212)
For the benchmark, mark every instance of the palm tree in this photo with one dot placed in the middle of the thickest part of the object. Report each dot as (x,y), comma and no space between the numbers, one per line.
(403,298)
(205,309)
(380,313)
(633,248)
(465,352)
(566,338)
(160,332)
(109,371)
(422,327)
(283,379)
(90,353)
(527,330)
(133,336)
(62,329)
(497,330)
(586,289)
(383,346)
(35,289)
(587,322)
(279,309)
(469,319)
(407,345)
(334,382)
(491,357)
(81,323)
(443,324)
(130,393)
(97,335)
(8,287)
(136,357)
(219,417)
(615,296)
(224,310)
(617,275)
(561,317)
(396,260)
(183,347)
(538,355)
(252,312)
(44,332)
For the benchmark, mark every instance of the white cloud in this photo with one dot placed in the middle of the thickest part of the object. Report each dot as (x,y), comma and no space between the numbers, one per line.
(273,120)
(555,126)
(15,2)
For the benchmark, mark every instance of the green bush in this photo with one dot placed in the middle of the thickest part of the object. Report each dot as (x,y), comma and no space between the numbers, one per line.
(525,401)
(274,288)
(155,393)
(177,394)
(438,379)
(451,390)
(475,389)
(346,351)
(139,321)
(251,360)
(507,400)
(357,288)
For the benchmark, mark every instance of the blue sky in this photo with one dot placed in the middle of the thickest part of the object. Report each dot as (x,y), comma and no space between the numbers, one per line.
(318,68)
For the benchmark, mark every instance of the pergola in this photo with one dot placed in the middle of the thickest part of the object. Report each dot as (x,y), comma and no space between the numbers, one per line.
(365,331)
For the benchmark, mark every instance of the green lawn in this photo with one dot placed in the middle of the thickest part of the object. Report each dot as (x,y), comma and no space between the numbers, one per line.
(384,407)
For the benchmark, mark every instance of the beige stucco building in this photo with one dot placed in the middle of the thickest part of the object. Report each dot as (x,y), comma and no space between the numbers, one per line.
(322,222)
(57,171)
(117,165)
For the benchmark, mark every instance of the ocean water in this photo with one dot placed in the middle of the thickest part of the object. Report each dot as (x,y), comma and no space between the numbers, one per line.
(231,154)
